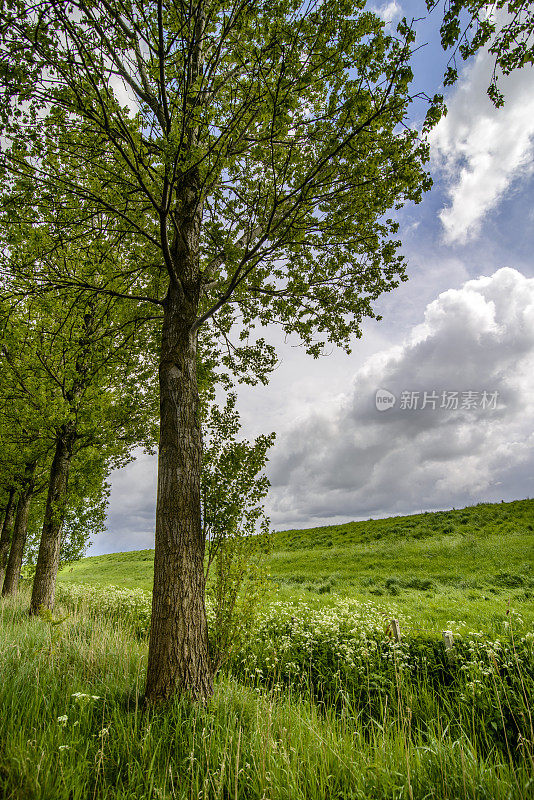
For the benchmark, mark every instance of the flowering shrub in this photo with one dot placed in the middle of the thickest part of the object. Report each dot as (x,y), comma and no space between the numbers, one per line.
(299,643)
(344,654)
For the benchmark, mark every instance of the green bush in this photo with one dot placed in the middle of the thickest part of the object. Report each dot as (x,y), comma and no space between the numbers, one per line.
(393,585)
(345,654)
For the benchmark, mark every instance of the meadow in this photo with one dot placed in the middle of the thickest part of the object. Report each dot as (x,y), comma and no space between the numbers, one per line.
(319,702)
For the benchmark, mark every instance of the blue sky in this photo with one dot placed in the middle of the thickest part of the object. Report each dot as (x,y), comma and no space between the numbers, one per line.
(464,322)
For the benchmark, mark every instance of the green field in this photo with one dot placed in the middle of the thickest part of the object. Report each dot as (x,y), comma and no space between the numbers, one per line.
(318,701)
(468,565)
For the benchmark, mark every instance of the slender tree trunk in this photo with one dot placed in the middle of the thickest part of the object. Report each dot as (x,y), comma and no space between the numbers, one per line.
(44,582)
(178,659)
(5,536)
(20,530)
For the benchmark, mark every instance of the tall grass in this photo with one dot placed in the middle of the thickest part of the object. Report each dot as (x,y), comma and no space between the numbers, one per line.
(73,726)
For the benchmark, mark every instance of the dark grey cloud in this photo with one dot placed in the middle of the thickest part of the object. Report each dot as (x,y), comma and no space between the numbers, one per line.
(132,508)
(358,461)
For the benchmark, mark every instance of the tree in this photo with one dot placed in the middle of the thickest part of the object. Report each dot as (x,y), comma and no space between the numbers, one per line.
(85,390)
(20,529)
(83,364)
(84,513)
(12,463)
(7,525)
(504,27)
(235,526)
(24,455)
(249,180)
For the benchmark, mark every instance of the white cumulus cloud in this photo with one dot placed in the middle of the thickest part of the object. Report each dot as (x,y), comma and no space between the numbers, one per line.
(389,11)
(483,150)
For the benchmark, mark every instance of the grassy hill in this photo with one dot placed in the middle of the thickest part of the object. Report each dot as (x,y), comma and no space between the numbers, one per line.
(467,565)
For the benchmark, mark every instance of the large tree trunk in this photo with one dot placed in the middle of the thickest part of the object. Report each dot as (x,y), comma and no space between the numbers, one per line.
(5,536)
(178,658)
(44,582)
(20,529)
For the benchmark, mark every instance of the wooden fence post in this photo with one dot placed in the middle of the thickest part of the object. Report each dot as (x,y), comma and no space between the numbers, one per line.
(448,641)
(395,629)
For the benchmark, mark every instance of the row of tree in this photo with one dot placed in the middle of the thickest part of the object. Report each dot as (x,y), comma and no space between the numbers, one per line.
(172,175)
(75,402)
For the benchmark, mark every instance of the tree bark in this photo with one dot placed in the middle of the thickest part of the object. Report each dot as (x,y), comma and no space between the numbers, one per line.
(44,582)
(20,530)
(178,659)
(5,536)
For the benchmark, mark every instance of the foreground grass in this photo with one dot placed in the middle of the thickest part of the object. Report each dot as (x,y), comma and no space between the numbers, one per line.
(477,559)
(248,743)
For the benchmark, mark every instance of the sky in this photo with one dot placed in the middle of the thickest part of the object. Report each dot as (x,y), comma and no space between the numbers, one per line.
(434,407)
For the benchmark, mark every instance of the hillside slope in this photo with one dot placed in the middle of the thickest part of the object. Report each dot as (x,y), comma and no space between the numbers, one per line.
(464,565)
